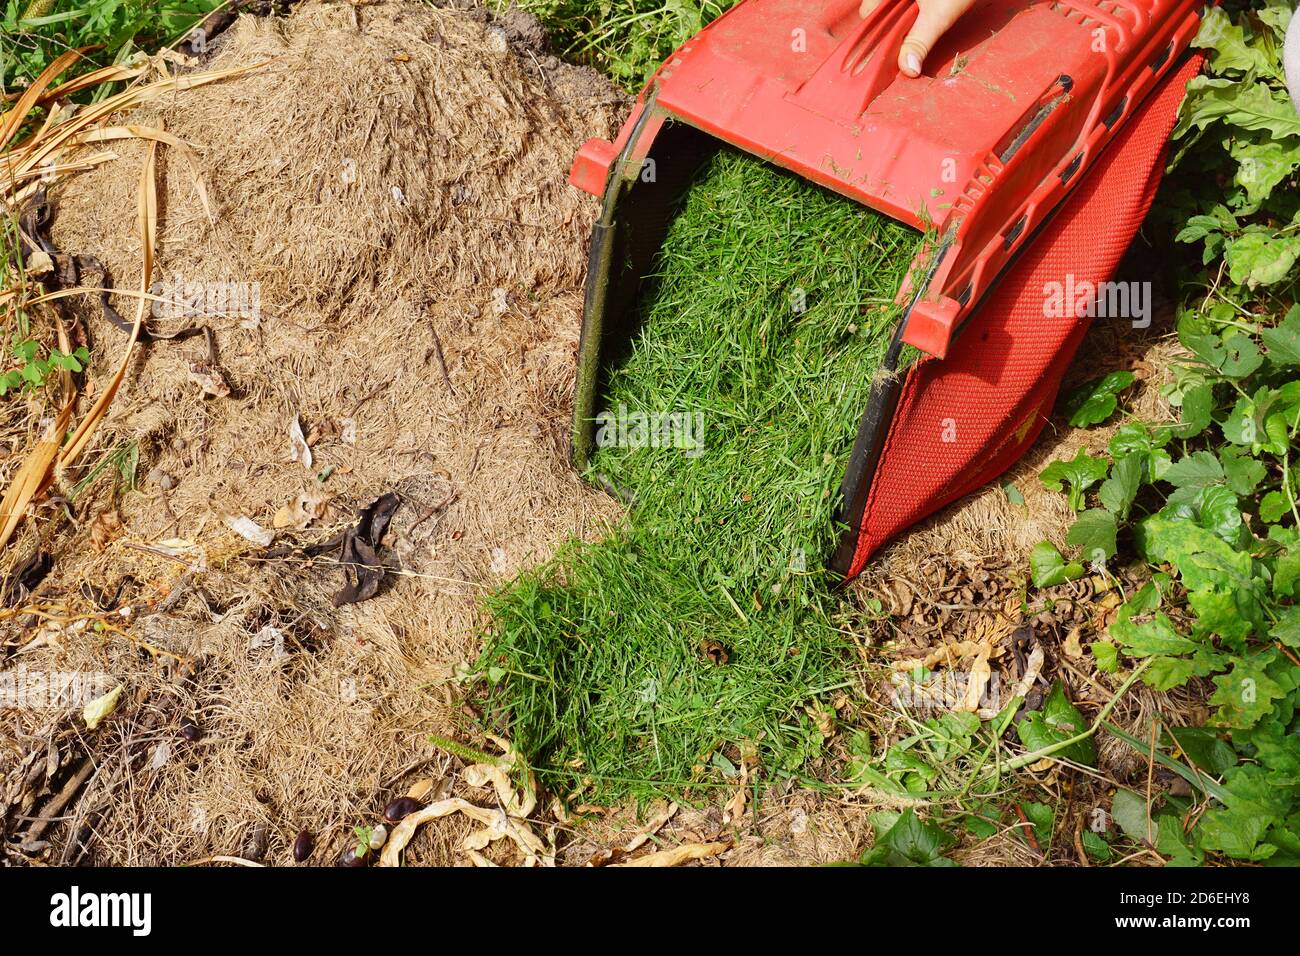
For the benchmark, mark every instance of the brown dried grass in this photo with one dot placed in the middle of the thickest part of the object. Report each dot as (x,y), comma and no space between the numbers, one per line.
(480,255)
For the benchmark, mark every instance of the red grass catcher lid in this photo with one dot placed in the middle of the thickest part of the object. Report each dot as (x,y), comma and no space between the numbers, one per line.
(1013,106)
(1031,146)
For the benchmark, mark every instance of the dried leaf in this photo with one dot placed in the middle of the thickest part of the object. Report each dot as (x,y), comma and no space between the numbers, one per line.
(101,707)
(518,831)
(33,477)
(519,804)
(655,826)
(299,450)
(323,431)
(209,379)
(131,131)
(25,577)
(735,807)
(38,263)
(420,789)
(359,554)
(12,120)
(977,681)
(105,528)
(677,855)
(147,198)
(946,655)
(1032,668)
(303,510)
(250,530)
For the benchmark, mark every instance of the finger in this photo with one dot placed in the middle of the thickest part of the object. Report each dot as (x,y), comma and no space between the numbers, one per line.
(931,23)
(867,6)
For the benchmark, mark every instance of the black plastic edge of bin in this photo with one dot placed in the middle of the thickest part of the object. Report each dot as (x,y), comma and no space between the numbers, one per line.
(634,220)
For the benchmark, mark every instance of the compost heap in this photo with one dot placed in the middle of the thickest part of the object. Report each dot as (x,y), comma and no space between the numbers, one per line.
(695,633)
(393,182)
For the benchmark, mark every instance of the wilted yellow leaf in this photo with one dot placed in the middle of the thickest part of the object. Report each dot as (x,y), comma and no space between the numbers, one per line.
(101,707)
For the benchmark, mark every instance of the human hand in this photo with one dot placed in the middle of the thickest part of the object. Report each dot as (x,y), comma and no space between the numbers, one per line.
(934,20)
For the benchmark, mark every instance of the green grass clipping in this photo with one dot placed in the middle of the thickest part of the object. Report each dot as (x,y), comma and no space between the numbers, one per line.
(650,662)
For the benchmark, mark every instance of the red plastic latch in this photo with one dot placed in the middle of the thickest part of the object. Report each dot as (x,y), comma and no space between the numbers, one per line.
(590,168)
(931,324)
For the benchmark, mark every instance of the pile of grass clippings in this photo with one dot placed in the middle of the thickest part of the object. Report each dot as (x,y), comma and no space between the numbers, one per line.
(692,637)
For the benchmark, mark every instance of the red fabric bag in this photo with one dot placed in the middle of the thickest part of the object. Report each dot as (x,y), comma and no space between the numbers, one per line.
(963,420)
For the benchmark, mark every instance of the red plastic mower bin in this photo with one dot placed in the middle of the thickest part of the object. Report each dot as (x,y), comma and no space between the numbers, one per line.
(1030,147)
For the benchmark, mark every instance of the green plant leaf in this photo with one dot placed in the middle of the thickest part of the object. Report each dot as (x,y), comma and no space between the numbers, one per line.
(1166,673)
(1252,106)
(1151,638)
(1273,506)
(1287,629)
(1078,474)
(1129,811)
(1242,472)
(1095,846)
(1119,491)
(1241,355)
(1094,533)
(1262,165)
(1219,511)
(1195,470)
(1094,402)
(907,840)
(1058,720)
(1229,48)
(1042,818)
(1048,567)
(1283,341)
(1134,437)
(1259,257)
(1198,408)
(1245,696)
(1106,656)
(1205,748)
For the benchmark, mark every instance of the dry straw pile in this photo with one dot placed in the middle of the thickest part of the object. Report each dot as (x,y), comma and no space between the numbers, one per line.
(392,185)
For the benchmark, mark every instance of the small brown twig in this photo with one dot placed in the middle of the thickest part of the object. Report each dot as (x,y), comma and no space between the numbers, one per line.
(51,810)
(1028,829)
(1078,842)
(442,361)
(442,505)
